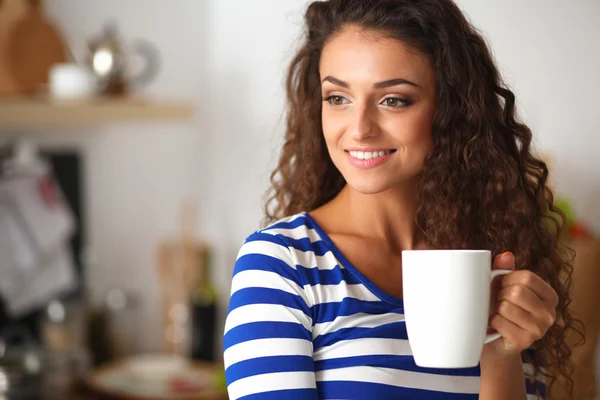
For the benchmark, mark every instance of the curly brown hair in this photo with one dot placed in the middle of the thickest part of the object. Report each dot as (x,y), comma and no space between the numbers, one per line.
(481,186)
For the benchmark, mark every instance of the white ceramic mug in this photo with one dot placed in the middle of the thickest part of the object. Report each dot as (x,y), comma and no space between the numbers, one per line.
(446,305)
(71,82)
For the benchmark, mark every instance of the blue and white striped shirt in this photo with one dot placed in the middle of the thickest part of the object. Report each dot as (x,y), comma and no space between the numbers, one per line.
(304,324)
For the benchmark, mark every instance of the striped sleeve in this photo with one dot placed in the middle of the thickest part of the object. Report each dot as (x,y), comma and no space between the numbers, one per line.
(268,350)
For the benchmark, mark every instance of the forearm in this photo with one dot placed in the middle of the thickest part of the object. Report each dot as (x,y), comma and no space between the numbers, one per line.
(502,379)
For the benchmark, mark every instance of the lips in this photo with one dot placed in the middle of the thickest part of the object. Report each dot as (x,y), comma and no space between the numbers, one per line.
(368,158)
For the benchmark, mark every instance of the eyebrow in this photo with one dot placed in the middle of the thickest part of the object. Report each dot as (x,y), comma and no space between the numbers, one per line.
(378,85)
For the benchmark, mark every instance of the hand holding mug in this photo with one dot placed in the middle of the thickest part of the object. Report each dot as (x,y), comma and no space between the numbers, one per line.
(523,309)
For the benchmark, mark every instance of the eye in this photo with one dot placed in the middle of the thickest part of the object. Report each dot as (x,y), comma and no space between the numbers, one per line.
(395,102)
(336,100)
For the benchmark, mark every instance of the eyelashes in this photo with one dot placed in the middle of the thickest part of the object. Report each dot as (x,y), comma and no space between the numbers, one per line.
(336,100)
(390,102)
(396,102)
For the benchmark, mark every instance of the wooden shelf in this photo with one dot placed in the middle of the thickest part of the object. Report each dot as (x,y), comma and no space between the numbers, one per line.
(37,113)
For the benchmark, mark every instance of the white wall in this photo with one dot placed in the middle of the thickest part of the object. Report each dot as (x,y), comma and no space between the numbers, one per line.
(229,55)
(549,52)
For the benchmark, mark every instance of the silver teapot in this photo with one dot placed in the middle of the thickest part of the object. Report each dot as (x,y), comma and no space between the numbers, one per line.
(111,62)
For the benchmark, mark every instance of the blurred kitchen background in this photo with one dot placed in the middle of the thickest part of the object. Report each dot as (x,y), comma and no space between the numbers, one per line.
(136,142)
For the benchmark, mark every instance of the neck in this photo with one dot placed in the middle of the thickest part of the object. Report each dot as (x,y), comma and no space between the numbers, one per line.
(388,215)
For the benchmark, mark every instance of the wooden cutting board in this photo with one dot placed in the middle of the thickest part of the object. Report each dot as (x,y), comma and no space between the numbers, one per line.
(11,12)
(34,45)
(585,295)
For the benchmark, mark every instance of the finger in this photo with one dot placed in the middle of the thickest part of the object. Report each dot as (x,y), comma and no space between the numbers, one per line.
(512,335)
(522,319)
(523,297)
(527,278)
(504,261)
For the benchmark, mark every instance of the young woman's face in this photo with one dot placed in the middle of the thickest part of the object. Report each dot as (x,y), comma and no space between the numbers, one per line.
(379,102)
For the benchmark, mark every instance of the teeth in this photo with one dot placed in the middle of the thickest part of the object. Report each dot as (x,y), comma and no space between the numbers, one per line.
(367,155)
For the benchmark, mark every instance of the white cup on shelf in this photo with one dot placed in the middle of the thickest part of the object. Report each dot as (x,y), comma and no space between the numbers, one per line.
(71,82)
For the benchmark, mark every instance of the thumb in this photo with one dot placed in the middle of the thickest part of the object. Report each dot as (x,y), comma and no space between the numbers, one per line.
(504,261)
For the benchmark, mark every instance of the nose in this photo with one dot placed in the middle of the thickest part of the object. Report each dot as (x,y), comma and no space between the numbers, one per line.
(364,125)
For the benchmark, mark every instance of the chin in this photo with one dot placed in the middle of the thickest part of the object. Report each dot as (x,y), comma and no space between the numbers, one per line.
(370,186)
(379,183)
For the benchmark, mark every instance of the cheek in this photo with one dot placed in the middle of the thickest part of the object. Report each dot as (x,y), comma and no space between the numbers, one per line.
(332,129)
(413,130)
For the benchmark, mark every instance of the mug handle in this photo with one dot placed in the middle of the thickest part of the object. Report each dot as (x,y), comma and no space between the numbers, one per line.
(493,336)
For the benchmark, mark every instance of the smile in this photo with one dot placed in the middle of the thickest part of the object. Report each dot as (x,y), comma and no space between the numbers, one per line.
(368,159)
(368,155)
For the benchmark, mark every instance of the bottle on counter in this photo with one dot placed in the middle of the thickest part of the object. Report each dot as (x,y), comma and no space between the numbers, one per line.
(203,307)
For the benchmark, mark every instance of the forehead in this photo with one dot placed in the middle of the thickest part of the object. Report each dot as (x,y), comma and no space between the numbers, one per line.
(356,54)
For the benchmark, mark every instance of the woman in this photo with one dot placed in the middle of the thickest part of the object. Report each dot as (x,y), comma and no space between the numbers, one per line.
(400,135)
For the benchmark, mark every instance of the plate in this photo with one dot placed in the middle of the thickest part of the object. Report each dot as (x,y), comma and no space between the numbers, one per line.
(158,377)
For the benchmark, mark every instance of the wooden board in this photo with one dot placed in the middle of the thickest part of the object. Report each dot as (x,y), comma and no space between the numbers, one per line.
(34,45)
(585,293)
(11,12)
